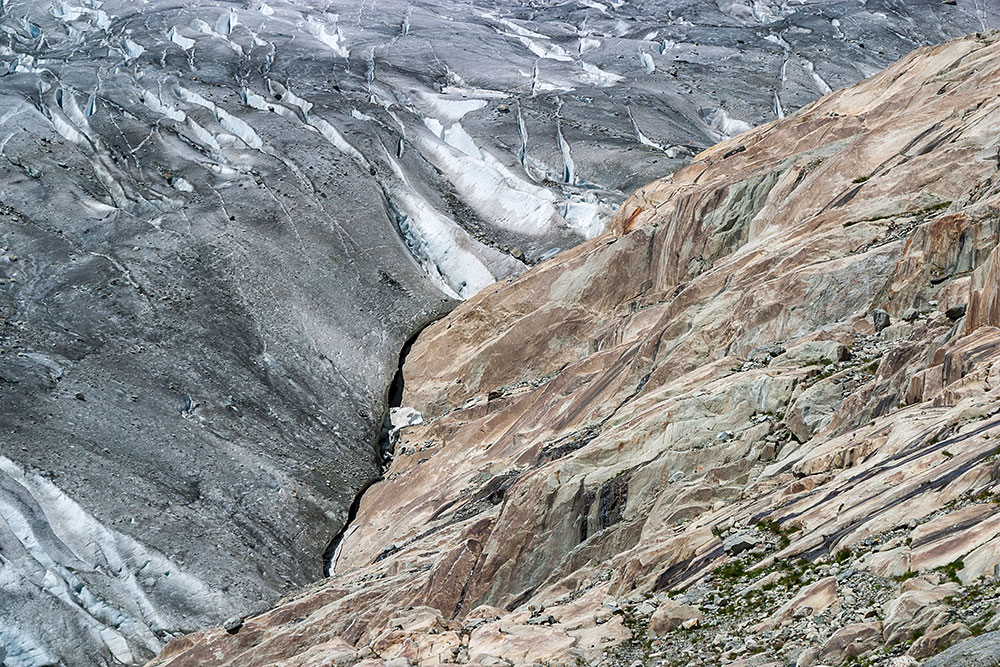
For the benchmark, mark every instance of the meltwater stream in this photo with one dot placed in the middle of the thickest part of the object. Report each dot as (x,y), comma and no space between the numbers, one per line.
(220,221)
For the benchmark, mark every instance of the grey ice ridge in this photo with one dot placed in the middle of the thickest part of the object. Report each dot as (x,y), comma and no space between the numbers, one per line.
(220,221)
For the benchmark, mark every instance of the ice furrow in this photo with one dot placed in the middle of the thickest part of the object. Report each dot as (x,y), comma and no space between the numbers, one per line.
(130,49)
(595,76)
(820,82)
(258,102)
(69,547)
(334,40)
(588,44)
(239,127)
(336,139)
(487,186)
(153,102)
(224,26)
(180,40)
(443,249)
(202,137)
(648,62)
(522,132)
(283,94)
(569,173)
(670,151)
(723,126)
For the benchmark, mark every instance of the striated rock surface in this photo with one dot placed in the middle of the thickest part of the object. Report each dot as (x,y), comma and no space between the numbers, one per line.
(708,373)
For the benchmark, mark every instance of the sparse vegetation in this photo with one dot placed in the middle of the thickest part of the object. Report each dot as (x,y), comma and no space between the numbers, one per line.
(951,570)
(843,555)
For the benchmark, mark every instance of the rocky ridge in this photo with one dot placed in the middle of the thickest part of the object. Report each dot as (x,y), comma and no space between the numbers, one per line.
(757,422)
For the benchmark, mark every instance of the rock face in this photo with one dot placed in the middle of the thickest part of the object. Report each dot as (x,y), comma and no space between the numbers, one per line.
(978,652)
(220,224)
(597,431)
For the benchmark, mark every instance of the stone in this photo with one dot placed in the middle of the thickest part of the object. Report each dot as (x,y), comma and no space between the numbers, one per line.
(814,352)
(765,353)
(670,616)
(956,312)
(739,542)
(645,609)
(807,658)
(813,409)
(981,651)
(542,620)
(918,606)
(233,624)
(815,598)
(880,319)
(851,641)
(934,640)
(890,563)
(520,643)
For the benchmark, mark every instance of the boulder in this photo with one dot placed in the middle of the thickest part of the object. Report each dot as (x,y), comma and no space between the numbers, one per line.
(813,352)
(937,639)
(739,542)
(880,319)
(956,312)
(851,641)
(918,607)
(981,651)
(813,409)
(671,615)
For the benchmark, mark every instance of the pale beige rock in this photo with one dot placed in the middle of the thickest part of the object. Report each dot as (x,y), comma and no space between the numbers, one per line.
(890,563)
(950,537)
(669,616)
(521,644)
(851,641)
(938,639)
(813,409)
(591,427)
(807,658)
(333,653)
(917,609)
(984,561)
(816,353)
